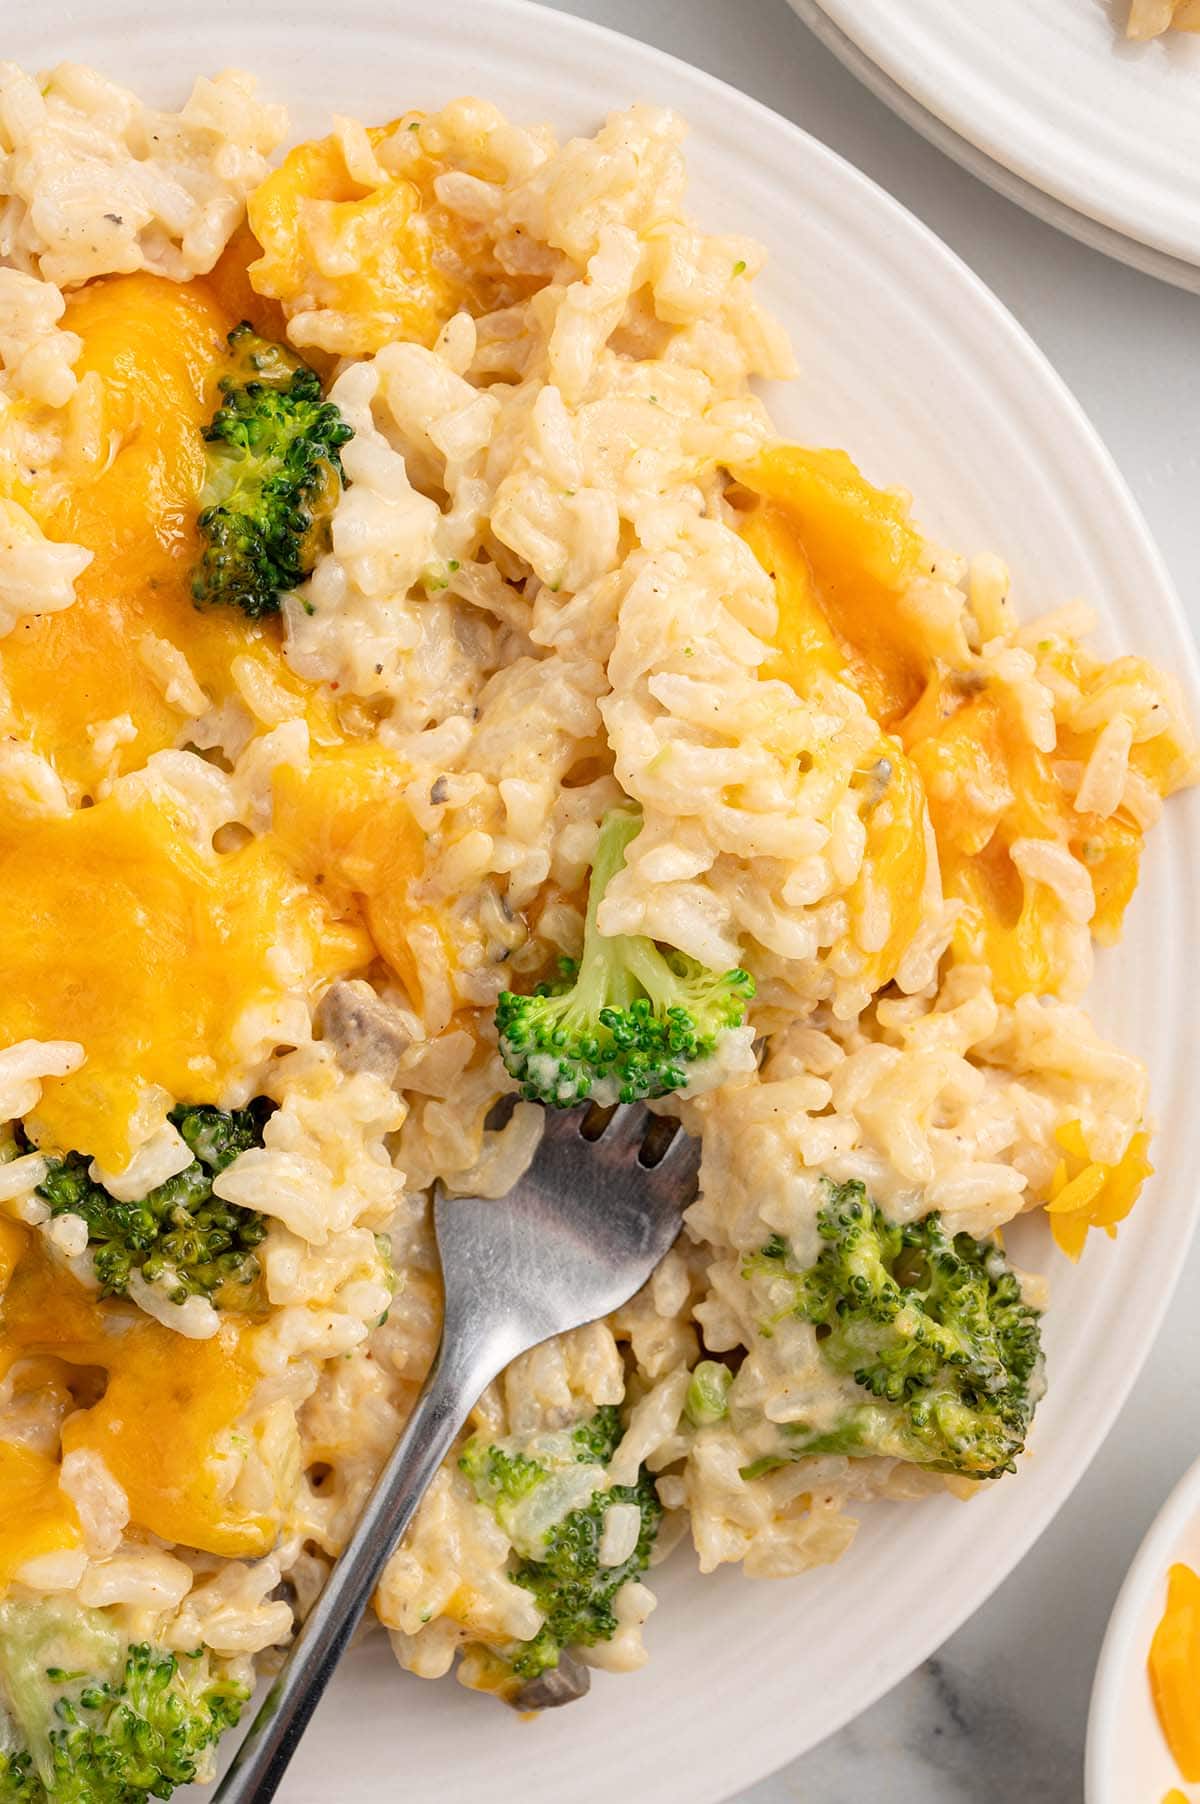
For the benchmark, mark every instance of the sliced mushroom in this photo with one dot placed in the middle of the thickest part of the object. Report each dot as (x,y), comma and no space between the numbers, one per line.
(366,1033)
(560,1684)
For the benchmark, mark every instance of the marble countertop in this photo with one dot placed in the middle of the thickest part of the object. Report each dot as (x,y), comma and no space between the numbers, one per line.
(998,1716)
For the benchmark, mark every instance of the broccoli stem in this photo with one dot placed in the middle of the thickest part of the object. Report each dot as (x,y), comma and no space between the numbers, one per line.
(605,977)
(629,1020)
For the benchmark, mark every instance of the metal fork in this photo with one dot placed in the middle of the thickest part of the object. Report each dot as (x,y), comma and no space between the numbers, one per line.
(579,1234)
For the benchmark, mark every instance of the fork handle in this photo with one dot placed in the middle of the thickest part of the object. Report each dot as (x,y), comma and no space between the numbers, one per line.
(464,1366)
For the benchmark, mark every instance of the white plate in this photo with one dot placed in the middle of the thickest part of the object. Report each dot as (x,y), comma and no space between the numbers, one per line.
(1128,1760)
(1048,103)
(911,364)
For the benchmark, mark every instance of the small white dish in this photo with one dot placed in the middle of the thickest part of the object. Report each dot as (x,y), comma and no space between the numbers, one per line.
(1051,106)
(1128,1760)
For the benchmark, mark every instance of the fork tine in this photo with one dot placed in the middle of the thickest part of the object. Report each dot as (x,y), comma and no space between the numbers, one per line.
(624,1131)
(596,1120)
(679,1149)
(677,1173)
(662,1131)
(618,1129)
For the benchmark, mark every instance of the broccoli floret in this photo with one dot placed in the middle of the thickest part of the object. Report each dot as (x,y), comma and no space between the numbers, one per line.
(628,1020)
(596,1440)
(180,1234)
(932,1326)
(500,1477)
(572,1590)
(503,1476)
(559,1561)
(87,1717)
(273,477)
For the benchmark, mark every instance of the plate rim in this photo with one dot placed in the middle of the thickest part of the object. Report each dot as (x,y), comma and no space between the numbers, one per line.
(1051,209)
(878,1676)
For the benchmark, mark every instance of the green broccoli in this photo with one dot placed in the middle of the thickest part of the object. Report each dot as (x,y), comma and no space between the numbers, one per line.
(87,1717)
(559,1562)
(273,477)
(707,1399)
(932,1327)
(597,1439)
(180,1233)
(572,1590)
(628,1020)
(501,1478)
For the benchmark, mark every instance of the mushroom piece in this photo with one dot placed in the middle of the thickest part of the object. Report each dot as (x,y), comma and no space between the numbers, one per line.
(365,1032)
(560,1684)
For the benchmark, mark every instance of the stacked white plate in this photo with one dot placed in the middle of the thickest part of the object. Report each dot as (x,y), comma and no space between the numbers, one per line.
(1049,103)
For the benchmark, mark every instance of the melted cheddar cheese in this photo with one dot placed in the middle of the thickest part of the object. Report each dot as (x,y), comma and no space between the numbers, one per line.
(179,942)
(364,240)
(132,501)
(392,286)
(168,1406)
(36,1518)
(1175,1670)
(844,557)
(118,933)
(1087,1194)
(854,555)
(812,602)
(344,825)
(988,787)
(13,1240)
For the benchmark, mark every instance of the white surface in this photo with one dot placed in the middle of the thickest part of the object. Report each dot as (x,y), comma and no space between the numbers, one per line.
(1051,92)
(737,1669)
(1127,1753)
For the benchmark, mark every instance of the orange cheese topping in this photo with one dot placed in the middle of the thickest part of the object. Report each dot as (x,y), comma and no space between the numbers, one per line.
(370,246)
(13,1239)
(154,348)
(167,1407)
(821,582)
(36,1518)
(344,823)
(989,786)
(230,286)
(114,930)
(844,556)
(1087,1194)
(860,554)
(118,933)
(392,286)
(1175,1670)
